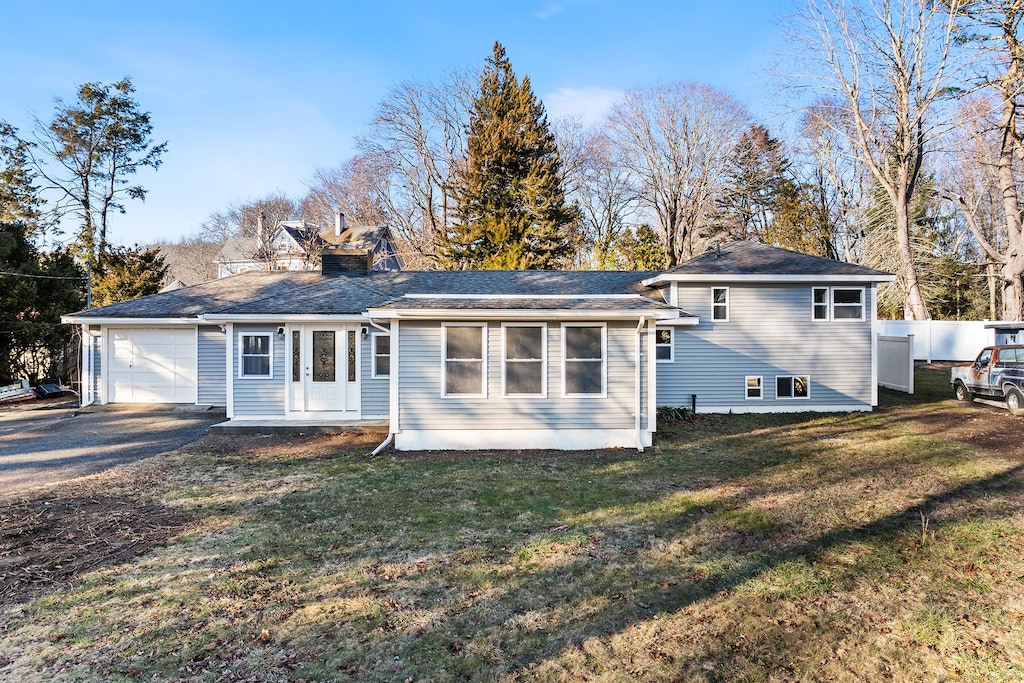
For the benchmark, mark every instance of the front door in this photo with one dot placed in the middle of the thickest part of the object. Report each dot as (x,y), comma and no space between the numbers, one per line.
(325,369)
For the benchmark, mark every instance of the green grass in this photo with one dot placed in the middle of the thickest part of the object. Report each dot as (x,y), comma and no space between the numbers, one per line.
(811,547)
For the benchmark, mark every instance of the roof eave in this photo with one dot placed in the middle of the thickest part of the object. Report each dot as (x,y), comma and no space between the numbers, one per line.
(73,319)
(518,314)
(665,278)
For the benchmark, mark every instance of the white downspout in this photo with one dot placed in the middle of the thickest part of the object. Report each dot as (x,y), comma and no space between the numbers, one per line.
(87,369)
(639,394)
(392,387)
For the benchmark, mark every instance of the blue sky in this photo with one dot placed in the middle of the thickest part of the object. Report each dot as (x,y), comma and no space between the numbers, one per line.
(254,96)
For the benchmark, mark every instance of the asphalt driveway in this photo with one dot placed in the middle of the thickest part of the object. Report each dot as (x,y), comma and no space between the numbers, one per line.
(56,443)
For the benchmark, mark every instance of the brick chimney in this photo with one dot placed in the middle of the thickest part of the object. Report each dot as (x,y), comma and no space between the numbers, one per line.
(350,262)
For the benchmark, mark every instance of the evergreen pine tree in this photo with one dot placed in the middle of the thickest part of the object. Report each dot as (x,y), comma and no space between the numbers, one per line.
(512,212)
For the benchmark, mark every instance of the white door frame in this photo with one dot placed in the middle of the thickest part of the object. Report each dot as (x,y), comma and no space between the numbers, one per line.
(297,394)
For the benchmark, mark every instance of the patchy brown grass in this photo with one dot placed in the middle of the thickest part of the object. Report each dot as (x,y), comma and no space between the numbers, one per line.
(797,547)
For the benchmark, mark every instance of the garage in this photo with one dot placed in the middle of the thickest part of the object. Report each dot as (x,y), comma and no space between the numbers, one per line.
(152,365)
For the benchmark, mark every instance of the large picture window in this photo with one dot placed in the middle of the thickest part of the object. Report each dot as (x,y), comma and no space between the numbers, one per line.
(583,359)
(464,366)
(381,355)
(255,352)
(525,360)
(795,386)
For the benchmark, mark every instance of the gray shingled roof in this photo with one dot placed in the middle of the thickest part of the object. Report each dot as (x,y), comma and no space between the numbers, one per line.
(752,258)
(510,282)
(301,292)
(526,303)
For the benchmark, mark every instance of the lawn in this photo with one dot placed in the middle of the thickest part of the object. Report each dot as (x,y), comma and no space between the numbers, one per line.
(887,545)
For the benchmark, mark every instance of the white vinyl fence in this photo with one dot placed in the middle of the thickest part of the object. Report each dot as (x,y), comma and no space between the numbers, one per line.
(896,363)
(959,340)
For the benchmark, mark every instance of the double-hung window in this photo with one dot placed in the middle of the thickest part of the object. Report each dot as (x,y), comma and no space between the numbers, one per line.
(837,303)
(583,359)
(795,386)
(663,345)
(465,371)
(720,304)
(381,355)
(254,354)
(524,356)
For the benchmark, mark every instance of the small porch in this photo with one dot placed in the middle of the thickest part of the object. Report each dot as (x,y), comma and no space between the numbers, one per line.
(321,425)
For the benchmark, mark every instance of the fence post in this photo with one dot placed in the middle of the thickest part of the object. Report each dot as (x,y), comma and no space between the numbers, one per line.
(929,324)
(910,352)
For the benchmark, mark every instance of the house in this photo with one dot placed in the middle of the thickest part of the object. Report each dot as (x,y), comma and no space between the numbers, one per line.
(498,359)
(296,245)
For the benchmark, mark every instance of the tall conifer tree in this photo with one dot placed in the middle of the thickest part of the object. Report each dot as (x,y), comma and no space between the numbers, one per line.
(512,212)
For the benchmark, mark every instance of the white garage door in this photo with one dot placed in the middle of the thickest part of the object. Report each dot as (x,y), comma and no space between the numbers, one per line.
(152,366)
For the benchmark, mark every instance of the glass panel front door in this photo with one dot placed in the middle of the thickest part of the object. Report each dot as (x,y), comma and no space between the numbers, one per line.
(325,362)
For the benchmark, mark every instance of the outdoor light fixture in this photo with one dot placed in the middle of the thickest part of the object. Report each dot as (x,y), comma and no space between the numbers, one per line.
(280,333)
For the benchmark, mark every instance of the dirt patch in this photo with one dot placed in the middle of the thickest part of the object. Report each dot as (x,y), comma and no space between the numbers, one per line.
(50,537)
(992,430)
(283,447)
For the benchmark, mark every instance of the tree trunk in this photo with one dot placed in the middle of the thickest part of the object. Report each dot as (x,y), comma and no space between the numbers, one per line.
(915,307)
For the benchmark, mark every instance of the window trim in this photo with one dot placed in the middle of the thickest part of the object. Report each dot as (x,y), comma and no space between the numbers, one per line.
(830,315)
(792,398)
(727,305)
(760,387)
(671,345)
(241,356)
(373,356)
(543,360)
(445,359)
(604,359)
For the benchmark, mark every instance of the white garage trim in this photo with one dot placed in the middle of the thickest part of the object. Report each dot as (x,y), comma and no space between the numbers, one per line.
(151,365)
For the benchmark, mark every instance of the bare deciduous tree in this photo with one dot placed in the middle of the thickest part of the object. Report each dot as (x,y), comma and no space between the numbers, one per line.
(991,141)
(357,188)
(885,65)
(417,137)
(676,140)
(607,197)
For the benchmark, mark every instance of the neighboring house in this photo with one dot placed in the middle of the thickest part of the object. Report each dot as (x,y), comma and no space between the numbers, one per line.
(296,245)
(498,359)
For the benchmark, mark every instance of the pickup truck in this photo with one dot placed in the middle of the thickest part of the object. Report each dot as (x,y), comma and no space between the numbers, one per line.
(998,373)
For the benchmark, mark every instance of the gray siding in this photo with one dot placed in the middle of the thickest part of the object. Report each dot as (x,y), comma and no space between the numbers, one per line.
(423,407)
(769,333)
(375,399)
(210,365)
(259,395)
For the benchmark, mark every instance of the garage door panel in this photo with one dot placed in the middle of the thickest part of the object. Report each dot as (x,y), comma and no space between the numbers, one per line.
(153,366)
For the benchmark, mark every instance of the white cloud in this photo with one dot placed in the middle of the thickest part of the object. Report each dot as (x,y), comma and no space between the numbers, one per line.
(590,104)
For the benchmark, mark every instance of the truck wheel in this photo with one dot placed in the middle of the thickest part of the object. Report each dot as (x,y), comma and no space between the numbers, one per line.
(1014,400)
(961,393)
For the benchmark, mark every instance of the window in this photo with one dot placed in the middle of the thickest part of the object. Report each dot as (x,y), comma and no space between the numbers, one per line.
(720,305)
(663,345)
(837,303)
(583,350)
(524,354)
(254,352)
(381,355)
(792,386)
(753,387)
(819,297)
(296,356)
(464,367)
